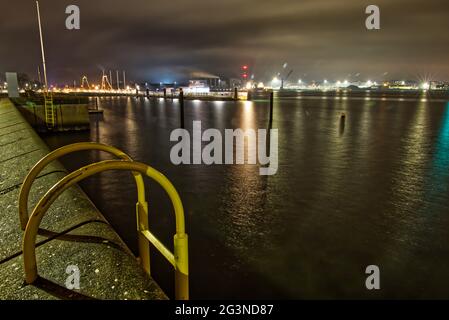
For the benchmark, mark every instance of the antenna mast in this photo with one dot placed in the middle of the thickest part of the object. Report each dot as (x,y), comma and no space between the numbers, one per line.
(42,45)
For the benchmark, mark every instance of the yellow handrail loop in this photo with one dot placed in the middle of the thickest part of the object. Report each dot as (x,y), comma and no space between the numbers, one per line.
(179,259)
(56,154)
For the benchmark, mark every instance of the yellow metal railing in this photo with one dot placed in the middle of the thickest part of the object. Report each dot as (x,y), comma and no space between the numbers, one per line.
(141,207)
(179,259)
(56,154)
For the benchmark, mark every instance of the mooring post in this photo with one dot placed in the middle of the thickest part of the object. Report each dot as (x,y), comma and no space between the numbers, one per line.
(165,93)
(342,123)
(236,94)
(271,107)
(249,97)
(148,93)
(181,104)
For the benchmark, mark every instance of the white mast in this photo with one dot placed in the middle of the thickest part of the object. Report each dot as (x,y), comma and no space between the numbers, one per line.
(42,45)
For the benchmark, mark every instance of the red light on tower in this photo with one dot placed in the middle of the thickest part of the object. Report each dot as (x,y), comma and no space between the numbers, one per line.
(244,73)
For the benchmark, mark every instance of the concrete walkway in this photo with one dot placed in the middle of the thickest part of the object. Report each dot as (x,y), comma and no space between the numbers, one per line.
(108,270)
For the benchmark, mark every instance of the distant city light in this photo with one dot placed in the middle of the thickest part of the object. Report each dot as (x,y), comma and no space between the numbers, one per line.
(425,86)
(275,82)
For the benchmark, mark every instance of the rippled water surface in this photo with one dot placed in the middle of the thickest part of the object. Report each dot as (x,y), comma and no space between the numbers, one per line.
(372,189)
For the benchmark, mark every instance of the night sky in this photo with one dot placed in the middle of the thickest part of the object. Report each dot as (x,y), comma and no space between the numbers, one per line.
(167,40)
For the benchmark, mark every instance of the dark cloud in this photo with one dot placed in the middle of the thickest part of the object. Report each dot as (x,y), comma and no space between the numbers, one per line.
(167,40)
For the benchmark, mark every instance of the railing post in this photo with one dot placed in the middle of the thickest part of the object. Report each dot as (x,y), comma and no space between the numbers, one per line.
(144,245)
(181,267)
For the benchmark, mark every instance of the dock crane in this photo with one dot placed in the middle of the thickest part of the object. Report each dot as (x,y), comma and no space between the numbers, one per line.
(84,81)
(285,79)
(105,84)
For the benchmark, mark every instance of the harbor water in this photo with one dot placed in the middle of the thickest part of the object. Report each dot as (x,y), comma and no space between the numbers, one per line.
(371,188)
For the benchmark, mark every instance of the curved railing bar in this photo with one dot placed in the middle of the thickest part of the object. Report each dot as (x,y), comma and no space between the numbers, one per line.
(82,146)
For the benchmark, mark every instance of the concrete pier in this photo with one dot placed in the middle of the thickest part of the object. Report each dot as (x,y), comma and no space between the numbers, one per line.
(84,239)
(69,117)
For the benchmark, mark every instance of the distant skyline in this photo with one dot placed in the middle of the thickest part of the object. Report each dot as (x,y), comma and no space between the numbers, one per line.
(166,41)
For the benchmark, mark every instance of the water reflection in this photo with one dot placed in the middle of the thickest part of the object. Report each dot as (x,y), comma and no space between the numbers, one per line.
(372,189)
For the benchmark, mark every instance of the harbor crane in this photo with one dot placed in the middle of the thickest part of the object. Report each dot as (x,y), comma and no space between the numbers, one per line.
(285,79)
(84,81)
(105,84)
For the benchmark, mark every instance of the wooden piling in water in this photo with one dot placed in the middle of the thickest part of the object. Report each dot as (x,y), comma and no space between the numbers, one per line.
(181,104)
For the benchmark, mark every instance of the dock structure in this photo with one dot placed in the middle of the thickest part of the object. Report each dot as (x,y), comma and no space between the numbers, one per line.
(79,236)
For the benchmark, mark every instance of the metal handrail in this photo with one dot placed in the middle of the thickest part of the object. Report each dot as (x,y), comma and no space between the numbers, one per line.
(141,206)
(56,154)
(180,257)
